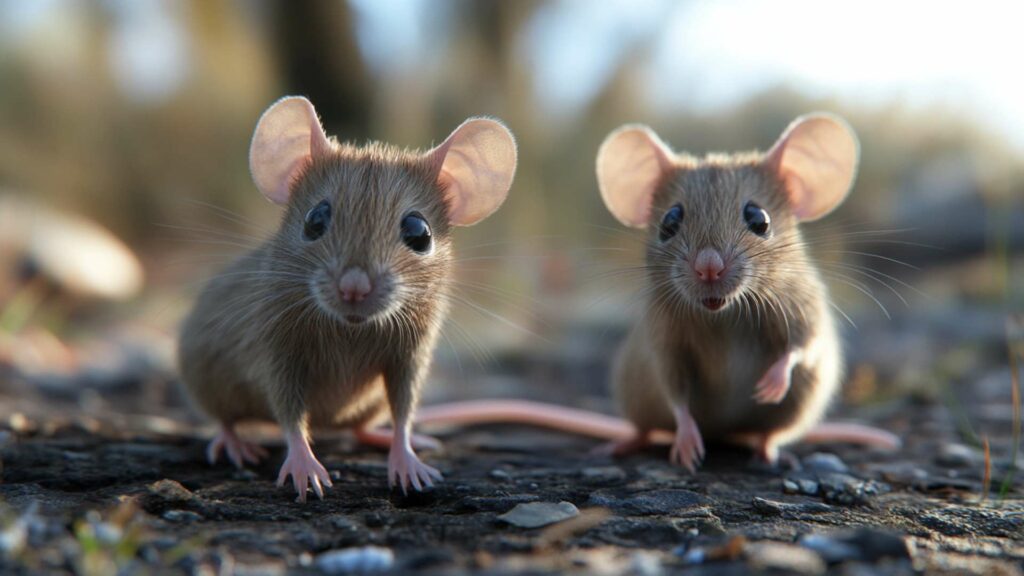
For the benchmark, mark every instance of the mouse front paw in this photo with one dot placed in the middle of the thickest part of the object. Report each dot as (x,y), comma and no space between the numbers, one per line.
(774,385)
(688,446)
(405,468)
(306,471)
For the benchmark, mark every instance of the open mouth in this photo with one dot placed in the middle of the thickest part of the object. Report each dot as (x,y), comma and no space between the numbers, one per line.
(713,303)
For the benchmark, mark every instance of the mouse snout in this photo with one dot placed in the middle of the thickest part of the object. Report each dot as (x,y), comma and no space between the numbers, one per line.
(709,266)
(354,285)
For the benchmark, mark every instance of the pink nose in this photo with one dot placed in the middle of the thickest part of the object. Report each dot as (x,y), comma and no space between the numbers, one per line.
(708,265)
(354,285)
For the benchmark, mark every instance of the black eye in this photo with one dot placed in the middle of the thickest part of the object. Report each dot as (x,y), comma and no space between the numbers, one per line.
(416,233)
(671,222)
(757,218)
(317,221)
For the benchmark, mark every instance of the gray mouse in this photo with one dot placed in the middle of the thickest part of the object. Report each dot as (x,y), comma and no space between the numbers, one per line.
(332,322)
(737,341)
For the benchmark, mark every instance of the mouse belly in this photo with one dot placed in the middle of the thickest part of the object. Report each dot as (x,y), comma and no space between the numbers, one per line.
(721,395)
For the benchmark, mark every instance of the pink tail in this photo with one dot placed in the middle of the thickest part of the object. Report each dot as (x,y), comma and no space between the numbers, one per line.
(853,434)
(525,412)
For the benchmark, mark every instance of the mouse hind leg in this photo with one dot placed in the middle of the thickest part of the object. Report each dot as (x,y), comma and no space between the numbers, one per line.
(239,451)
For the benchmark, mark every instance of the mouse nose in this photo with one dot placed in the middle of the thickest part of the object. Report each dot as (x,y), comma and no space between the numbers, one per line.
(354,285)
(708,265)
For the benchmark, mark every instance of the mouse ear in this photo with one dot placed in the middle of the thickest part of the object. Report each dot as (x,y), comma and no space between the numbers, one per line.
(476,164)
(631,162)
(816,157)
(287,136)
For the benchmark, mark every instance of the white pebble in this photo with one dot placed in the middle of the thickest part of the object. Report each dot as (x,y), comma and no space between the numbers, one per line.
(356,560)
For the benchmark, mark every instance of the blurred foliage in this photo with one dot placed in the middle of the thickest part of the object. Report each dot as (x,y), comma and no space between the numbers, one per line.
(72,135)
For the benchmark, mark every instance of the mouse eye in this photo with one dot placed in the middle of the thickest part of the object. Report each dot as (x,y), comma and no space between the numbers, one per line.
(317,221)
(416,233)
(670,222)
(757,218)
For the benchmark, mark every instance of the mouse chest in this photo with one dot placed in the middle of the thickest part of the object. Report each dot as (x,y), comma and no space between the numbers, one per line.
(728,364)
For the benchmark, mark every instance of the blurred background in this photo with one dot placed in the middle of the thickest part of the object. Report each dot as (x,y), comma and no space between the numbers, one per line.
(124,129)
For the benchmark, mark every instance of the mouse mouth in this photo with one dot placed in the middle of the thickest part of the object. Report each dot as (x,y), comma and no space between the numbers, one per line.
(354,318)
(713,304)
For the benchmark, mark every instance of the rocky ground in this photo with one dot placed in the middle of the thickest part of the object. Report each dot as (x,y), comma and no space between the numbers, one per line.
(89,489)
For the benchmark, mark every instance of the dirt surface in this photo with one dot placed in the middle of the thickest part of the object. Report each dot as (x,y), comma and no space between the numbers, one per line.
(94,495)
(105,473)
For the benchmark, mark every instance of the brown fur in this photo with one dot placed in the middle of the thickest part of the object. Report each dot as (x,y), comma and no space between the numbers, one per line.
(263,342)
(682,352)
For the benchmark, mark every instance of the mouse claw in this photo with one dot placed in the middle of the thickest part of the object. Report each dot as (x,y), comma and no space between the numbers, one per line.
(239,452)
(405,469)
(305,470)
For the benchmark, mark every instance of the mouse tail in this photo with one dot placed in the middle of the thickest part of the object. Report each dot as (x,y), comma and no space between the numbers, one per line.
(552,416)
(851,433)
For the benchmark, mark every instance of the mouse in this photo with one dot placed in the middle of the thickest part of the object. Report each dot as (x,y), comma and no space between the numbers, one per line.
(737,340)
(332,321)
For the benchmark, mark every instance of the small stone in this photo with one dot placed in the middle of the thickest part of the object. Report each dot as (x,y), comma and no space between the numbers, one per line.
(343,523)
(367,559)
(499,474)
(170,490)
(954,455)
(865,545)
(825,462)
(537,514)
(773,508)
(186,516)
(786,558)
(603,474)
(809,487)
(645,563)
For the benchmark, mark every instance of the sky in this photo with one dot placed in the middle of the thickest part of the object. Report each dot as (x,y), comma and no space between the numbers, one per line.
(701,55)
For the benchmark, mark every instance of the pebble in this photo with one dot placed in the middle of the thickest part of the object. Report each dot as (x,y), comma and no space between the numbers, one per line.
(834,487)
(785,558)
(865,545)
(825,462)
(645,563)
(181,516)
(363,560)
(602,474)
(954,455)
(170,490)
(773,508)
(537,514)
(499,474)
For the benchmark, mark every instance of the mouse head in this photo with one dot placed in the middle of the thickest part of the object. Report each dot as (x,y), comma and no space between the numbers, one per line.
(726,225)
(367,230)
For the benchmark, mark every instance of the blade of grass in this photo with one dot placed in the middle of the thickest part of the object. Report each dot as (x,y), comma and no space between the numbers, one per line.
(987,476)
(1015,348)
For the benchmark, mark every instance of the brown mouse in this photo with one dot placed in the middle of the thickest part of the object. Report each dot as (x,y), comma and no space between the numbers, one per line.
(737,340)
(332,322)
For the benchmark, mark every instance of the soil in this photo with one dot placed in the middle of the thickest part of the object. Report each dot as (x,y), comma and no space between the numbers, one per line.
(111,477)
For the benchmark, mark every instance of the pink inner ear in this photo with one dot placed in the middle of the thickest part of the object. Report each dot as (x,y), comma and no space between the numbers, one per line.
(287,136)
(631,163)
(816,159)
(475,164)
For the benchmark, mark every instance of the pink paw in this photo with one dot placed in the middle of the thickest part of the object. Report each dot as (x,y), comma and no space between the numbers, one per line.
(688,447)
(773,386)
(304,469)
(405,468)
(239,451)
